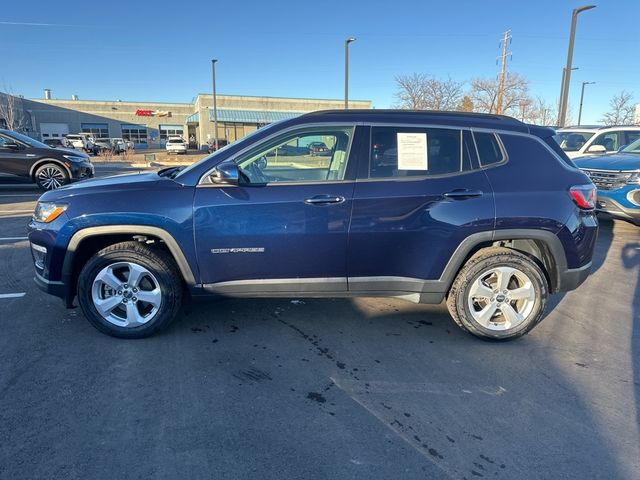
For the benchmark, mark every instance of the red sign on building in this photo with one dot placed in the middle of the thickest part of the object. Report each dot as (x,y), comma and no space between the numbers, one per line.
(144,113)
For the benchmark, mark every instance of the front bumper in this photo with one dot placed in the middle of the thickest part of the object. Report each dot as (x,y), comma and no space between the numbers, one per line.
(57,289)
(610,206)
(82,171)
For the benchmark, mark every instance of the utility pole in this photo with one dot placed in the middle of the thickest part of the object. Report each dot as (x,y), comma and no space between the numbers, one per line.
(215,109)
(503,69)
(566,73)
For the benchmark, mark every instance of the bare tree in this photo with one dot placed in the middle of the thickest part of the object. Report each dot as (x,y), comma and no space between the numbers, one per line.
(622,110)
(12,112)
(484,94)
(421,92)
(539,112)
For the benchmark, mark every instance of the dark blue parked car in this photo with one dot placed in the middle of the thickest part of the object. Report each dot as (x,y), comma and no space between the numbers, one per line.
(617,177)
(483,211)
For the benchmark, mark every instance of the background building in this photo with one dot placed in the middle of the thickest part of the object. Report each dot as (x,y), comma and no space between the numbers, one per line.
(148,124)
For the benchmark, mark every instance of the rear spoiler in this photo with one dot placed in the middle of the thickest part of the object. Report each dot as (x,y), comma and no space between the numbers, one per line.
(542,132)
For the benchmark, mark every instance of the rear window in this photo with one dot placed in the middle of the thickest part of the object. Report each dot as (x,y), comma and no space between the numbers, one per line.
(407,151)
(553,144)
(489,151)
(174,140)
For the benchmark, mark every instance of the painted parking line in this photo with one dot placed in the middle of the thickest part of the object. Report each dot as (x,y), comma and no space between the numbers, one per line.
(12,295)
(16,211)
(20,195)
(13,239)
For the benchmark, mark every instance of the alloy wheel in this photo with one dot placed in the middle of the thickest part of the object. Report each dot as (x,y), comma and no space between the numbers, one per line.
(126,294)
(51,178)
(501,298)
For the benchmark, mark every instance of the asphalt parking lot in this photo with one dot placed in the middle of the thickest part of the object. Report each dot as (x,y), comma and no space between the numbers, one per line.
(326,389)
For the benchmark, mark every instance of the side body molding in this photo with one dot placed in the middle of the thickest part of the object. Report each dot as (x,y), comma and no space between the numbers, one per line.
(434,291)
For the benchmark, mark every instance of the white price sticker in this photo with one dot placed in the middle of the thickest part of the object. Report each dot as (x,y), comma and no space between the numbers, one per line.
(412,151)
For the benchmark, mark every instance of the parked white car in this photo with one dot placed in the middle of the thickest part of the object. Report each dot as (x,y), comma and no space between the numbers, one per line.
(176,145)
(582,141)
(119,145)
(81,141)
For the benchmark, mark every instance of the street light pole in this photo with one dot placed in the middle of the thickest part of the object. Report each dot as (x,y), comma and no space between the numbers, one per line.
(581,99)
(566,77)
(215,108)
(346,71)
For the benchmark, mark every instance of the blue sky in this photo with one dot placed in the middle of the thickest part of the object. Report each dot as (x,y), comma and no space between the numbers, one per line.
(161,51)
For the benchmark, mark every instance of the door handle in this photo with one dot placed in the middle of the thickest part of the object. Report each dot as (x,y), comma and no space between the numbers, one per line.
(324,200)
(461,194)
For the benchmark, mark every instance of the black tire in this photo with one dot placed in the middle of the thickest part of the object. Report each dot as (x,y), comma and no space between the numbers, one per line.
(480,264)
(159,263)
(51,176)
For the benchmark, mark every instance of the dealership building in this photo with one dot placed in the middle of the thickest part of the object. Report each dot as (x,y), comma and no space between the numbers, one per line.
(149,124)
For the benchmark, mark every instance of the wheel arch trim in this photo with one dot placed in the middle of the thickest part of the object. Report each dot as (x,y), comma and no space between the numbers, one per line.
(165,236)
(44,161)
(549,239)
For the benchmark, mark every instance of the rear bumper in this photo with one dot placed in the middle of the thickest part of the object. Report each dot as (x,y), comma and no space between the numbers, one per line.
(572,278)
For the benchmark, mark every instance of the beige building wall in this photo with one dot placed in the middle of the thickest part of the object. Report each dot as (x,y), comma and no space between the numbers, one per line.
(204,102)
(74,113)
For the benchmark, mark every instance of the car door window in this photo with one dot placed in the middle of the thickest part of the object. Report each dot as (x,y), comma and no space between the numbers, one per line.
(310,155)
(488,148)
(443,152)
(632,137)
(4,140)
(610,141)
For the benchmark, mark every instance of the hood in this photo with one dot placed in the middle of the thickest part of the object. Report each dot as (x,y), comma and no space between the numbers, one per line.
(70,151)
(104,184)
(614,161)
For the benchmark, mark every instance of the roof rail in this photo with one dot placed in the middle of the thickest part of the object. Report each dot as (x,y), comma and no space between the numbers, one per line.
(599,127)
(635,125)
(433,113)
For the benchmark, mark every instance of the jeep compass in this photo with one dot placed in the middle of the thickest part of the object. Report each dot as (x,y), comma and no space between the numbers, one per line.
(481,211)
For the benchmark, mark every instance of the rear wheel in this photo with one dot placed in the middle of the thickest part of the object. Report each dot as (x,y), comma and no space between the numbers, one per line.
(51,176)
(129,290)
(499,294)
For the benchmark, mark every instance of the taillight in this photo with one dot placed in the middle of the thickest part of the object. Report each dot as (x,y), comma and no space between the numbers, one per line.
(584,196)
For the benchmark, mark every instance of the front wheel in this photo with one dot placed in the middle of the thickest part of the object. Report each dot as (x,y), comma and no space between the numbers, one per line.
(129,290)
(499,294)
(51,176)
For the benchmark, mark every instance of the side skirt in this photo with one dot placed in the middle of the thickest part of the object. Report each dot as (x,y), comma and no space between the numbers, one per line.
(411,289)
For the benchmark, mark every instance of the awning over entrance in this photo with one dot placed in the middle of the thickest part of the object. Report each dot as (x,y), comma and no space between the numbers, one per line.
(245,116)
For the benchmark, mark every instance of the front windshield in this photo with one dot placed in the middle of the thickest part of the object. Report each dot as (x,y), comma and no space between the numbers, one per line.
(229,145)
(28,140)
(572,141)
(632,147)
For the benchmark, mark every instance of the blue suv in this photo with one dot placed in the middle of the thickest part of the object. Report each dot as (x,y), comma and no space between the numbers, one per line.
(482,211)
(617,177)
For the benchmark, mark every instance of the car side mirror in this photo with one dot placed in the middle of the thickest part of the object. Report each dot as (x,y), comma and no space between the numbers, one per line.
(11,145)
(596,149)
(226,173)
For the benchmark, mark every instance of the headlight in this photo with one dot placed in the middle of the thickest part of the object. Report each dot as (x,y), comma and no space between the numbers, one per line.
(74,158)
(634,178)
(48,211)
